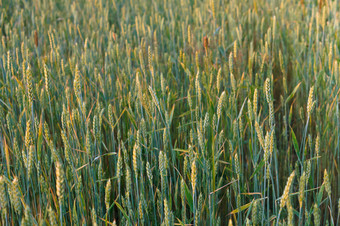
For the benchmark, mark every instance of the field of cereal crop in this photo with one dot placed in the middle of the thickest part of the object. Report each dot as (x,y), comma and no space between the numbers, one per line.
(169,112)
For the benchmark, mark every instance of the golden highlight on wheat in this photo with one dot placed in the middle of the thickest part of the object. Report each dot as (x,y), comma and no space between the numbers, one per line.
(286,191)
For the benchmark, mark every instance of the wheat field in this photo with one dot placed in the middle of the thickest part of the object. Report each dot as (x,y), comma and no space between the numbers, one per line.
(169,112)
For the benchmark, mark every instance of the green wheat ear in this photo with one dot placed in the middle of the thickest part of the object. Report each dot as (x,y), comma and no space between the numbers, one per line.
(29,85)
(52,217)
(31,154)
(94,217)
(302,185)
(310,102)
(15,195)
(128,180)
(28,135)
(259,134)
(107,194)
(220,105)
(317,146)
(3,193)
(166,213)
(316,213)
(149,172)
(77,85)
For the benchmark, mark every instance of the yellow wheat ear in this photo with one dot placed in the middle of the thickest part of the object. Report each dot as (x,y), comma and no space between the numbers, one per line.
(286,190)
(327,183)
(193,175)
(60,186)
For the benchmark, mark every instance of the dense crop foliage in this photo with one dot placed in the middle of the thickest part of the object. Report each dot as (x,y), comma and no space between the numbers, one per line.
(150,112)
